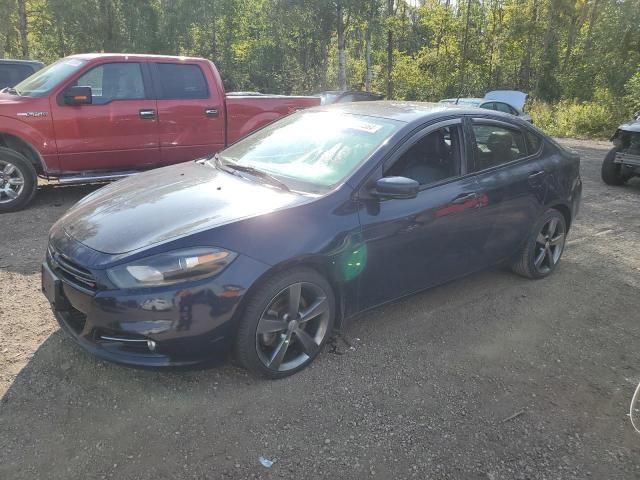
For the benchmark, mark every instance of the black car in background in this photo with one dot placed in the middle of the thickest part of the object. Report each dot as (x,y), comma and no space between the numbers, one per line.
(623,161)
(347,96)
(13,72)
(268,246)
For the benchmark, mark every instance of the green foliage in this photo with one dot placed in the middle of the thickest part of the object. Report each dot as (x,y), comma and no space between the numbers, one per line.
(571,118)
(579,59)
(632,92)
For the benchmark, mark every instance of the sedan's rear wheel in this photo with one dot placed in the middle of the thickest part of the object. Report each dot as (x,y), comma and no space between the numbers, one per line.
(543,249)
(286,323)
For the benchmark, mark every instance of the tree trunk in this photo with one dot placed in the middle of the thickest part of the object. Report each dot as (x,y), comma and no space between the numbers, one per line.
(544,83)
(342,64)
(24,26)
(592,21)
(389,51)
(7,7)
(525,65)
(368,74)
(464,48)
(107,13)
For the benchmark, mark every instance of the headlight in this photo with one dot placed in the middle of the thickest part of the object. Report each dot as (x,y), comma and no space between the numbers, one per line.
(171,267)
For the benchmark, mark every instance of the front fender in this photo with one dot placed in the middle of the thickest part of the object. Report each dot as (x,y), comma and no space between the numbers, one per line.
(37,132)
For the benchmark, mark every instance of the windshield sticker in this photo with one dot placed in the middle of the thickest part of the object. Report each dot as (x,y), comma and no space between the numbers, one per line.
(73,62)
(366,127)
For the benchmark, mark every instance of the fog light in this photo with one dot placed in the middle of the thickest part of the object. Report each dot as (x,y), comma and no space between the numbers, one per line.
(151,345)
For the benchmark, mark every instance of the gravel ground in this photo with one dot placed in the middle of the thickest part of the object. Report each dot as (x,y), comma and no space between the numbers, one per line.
(489,377)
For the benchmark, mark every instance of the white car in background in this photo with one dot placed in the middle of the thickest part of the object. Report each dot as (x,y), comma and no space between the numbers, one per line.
(508,101)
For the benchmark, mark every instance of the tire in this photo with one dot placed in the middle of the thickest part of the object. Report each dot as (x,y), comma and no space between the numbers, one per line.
(611,172)
(14,168)
(543,249)
(269,310)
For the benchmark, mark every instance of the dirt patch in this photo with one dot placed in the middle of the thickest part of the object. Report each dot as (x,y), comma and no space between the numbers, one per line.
(489,377)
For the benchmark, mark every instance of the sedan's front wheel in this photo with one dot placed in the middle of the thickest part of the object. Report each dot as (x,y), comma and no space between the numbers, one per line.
(285,323)
(542,251)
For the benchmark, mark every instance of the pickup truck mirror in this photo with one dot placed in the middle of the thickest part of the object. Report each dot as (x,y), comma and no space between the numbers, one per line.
(77,96)
(396,187)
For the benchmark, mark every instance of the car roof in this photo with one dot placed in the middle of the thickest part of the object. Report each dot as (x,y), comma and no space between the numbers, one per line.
(401,110)
(463,100)
(23,62)
(342,92)
(417,112)
(133,56)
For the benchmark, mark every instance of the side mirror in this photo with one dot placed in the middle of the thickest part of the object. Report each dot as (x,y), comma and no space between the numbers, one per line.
(77,96)
(396,187)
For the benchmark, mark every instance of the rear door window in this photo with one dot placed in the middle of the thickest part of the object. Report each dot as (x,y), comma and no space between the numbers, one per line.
(533,142)
(181,81)
(497,145)
(503,107)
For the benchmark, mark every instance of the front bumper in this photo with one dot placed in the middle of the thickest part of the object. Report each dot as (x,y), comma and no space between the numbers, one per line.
(165,326)
(629,162)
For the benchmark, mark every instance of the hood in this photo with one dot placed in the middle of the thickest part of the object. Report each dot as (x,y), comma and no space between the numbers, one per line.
(16,106)
(631,126)
(6,99)
(167,203)
(513,97)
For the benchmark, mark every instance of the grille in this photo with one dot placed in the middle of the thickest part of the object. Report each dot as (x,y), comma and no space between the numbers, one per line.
(75,320)
(69,270)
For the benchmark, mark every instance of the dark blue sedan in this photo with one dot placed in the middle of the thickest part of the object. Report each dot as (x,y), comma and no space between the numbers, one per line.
(266,248)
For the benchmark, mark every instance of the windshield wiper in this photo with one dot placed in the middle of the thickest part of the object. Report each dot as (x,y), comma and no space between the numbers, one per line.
(252,171)
(11,91)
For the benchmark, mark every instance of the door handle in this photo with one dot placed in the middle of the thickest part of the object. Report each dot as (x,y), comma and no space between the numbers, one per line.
(211,112)
(538,174)
(464,198)
(149,114)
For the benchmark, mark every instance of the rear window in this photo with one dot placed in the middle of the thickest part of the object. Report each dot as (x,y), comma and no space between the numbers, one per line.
(178,81)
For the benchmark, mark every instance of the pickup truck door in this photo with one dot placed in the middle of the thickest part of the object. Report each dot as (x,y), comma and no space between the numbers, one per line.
(118,130)
(191,111)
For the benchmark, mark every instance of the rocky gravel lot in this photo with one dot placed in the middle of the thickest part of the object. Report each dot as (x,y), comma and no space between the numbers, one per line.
(490,377)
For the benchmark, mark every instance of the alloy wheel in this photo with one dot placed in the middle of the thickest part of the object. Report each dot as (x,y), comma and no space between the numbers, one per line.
(11,182)
(549,245)
(293,326)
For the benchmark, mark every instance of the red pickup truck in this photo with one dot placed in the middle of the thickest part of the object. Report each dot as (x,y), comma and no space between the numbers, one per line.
(99,117)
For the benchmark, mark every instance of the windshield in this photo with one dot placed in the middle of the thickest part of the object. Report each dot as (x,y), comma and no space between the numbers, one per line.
(42,82)
(317,149)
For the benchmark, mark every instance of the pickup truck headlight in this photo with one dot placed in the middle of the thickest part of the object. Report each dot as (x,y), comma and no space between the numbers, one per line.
(171,267)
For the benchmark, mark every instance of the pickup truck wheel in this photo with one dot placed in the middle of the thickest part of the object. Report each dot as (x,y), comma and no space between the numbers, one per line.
(18,180)
(611,171)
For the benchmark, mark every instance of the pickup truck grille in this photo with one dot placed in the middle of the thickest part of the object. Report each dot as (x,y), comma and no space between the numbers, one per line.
(69,270)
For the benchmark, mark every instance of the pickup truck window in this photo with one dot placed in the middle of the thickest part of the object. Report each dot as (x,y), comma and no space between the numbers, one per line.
(42,82)
(114,81)
(312,149)
(181,81)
